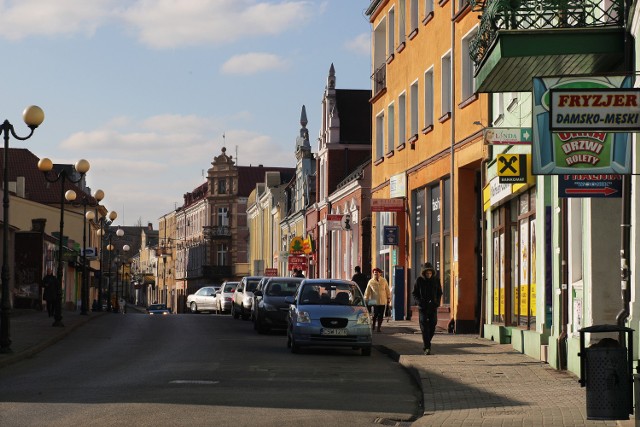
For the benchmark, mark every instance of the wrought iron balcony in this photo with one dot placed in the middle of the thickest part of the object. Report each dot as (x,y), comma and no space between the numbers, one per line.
(216,231)
(570,28)
(379,78)
(537,15)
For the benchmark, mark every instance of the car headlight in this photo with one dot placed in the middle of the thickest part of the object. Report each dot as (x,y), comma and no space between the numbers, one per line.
(363,318)
(303,317)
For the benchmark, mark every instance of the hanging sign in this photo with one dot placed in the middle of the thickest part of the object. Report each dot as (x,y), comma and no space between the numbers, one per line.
(387,205)
(507,136)
(609,186)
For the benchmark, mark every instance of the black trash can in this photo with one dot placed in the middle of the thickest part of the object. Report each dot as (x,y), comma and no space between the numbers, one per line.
(606,371)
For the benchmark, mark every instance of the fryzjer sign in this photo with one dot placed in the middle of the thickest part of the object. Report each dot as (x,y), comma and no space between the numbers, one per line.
(590,186)
(580,149)
(613,110)
(507,136)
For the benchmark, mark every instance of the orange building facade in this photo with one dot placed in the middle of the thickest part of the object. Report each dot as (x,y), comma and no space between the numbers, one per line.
(427,151)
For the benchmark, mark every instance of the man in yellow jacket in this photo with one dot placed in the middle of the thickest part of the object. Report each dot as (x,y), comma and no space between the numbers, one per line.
(377,295)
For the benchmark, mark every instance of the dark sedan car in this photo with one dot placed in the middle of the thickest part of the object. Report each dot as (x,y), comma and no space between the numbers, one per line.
(271,310)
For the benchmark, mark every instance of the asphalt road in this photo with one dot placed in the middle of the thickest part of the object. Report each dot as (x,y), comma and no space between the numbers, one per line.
(197,370)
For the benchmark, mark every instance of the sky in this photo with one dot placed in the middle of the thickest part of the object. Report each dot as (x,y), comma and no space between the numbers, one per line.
(149,91)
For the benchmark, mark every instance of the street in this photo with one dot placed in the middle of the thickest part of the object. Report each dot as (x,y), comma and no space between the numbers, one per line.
(201,369)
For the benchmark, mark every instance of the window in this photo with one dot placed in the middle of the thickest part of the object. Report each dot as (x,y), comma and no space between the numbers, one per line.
(446,84)
(428,7)
(414,14)
(222,186)
(391,129)
(379,135)
(223,217)
(391,34)
(468,81)
(428,98)
(223,254)
(402,118)
(413,126)
(402,22)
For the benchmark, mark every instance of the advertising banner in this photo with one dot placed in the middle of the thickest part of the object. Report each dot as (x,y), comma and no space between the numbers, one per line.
(581,150)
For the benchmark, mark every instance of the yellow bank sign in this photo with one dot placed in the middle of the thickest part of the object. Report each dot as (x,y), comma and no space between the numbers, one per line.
(512,168)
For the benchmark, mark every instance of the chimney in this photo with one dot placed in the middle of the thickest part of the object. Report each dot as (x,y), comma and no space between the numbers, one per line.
(38,224)
(20,187)
(150,226)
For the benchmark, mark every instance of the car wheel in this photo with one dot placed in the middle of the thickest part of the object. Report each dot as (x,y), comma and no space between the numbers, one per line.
(288,340)
(244,315)
(366,351)
(194,307)
(260,327)
(234,312)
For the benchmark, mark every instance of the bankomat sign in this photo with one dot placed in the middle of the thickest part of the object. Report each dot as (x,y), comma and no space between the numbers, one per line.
(581,125)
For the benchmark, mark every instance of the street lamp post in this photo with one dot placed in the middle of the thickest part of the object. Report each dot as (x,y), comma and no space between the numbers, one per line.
(101,234)
(45,166)
(125,249)
(33,117)
(90,215)
(110,247)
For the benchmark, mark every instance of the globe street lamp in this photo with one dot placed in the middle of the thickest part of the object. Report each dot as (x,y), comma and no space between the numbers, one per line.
(33,117)
(110,248)
(90,215)
(101,234)
(45,166)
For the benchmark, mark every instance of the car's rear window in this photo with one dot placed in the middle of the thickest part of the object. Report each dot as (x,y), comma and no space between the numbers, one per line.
(229,287)
(251,285)
(282,288)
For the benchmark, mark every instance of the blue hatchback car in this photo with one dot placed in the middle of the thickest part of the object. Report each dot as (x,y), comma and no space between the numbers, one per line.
(328,313)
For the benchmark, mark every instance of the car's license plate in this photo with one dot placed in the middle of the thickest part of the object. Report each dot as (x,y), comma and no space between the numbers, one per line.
(328,331)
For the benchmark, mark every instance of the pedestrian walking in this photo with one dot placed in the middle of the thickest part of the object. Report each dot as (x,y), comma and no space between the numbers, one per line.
(360,279)
(427,293)
(297,273)
(377,295)
(50,286)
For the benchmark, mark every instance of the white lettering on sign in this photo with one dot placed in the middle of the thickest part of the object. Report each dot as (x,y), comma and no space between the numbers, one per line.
(435,204)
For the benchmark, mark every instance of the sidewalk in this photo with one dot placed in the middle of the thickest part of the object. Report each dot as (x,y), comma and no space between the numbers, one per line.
(471,381)
(468,381)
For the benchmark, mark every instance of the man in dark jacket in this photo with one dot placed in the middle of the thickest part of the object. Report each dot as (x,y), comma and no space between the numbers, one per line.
(427,293)
(50,286)
(360,279)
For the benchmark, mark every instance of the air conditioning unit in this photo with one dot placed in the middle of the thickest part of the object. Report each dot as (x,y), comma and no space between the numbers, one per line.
(89,252)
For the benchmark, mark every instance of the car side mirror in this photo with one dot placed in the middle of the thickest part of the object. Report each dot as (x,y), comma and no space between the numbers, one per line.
(289,300)
(239,290)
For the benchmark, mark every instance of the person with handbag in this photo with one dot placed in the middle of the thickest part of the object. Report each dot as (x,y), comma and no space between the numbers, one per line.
(427,293)
(377,295)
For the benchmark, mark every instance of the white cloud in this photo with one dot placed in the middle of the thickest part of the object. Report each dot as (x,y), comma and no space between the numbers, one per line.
(23,18)
(164,24)
(253,63)
(360,45)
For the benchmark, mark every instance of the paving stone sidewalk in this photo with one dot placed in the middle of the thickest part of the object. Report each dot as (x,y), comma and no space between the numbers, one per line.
(472,381)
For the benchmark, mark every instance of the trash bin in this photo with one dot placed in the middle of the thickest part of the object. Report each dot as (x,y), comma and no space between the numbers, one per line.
(606,371)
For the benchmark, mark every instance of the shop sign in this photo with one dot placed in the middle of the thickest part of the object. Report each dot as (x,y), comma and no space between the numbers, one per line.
(296,246)
(391,234)
(581,147)
(498,191)
(271,272)
(612,110)
(609,186)
(387,205)
(334,222)
(297,262)
(507,136)
(398,185)
(512,168)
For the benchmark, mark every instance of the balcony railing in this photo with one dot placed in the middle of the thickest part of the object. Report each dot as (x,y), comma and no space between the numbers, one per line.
(379,78)
(537,15)
(218,231)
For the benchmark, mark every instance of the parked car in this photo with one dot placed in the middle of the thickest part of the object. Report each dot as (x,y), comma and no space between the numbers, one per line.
(271,310)
(160,309)
(256,298)
(243,297)
(328,313)
(203,300)
(224,296)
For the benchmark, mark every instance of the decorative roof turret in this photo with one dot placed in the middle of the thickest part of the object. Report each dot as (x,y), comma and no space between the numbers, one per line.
(302,141)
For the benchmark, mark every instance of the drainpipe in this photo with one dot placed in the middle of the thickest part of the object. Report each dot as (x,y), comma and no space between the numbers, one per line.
(564,306)
(453,143)
(625,226)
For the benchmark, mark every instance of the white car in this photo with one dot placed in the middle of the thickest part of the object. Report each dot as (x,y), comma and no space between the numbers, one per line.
(224,296)
(203,300)
(243,297)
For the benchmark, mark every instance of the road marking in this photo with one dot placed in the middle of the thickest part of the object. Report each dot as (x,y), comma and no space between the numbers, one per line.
(206,382)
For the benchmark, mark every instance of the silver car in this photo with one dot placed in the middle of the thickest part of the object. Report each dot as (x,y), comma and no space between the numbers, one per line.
(203,300)
(224,296)
(328,313)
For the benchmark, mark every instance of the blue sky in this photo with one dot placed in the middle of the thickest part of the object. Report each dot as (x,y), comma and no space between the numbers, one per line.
(146,89)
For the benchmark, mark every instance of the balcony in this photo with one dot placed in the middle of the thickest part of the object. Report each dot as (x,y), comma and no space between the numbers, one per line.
(217,231)
(379,78)
(519,40)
